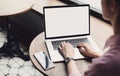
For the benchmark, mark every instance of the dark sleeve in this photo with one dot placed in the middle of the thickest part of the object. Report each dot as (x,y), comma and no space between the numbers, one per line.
(98,67)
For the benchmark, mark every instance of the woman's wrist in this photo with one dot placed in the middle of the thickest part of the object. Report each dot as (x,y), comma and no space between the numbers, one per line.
(72,68)
(69,59)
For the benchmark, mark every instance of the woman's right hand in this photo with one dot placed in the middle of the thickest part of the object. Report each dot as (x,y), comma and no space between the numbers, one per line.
(88,51)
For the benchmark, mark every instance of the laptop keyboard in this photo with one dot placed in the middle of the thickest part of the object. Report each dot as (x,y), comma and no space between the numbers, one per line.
(73,42)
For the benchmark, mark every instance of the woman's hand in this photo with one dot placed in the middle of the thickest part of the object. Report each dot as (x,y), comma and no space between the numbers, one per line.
(66,49)
(87,50)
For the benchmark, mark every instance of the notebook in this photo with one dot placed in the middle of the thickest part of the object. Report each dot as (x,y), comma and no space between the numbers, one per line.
(67,23)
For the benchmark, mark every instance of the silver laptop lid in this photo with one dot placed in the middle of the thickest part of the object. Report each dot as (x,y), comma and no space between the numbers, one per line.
(66,21)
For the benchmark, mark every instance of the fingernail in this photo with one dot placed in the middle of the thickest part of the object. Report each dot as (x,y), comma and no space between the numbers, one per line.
(82,50)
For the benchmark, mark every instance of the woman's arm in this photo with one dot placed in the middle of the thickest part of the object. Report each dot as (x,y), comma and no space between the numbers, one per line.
(67,51)
(72,69)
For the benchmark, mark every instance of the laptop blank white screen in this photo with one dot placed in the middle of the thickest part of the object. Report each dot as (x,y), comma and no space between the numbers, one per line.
(66,21)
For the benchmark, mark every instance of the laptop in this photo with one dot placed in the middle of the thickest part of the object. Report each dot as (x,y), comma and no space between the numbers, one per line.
(67,23)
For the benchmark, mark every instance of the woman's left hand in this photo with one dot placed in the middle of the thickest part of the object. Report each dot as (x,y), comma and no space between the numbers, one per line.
(66,49)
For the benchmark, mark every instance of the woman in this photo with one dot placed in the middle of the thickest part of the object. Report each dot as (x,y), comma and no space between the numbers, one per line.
(103,65)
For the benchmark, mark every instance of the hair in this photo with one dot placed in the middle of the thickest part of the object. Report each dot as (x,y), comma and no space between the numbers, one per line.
(116,16)
(117,2)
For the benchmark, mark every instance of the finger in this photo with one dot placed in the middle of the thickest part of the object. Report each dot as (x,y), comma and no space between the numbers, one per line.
(83,53)
(64,43)
(60,47)
(62,52)
(67,43)
(65,46)
(82,49)
(79,45)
